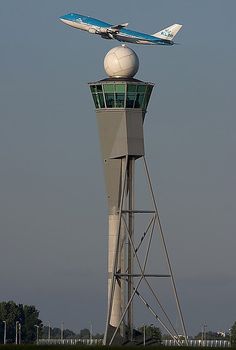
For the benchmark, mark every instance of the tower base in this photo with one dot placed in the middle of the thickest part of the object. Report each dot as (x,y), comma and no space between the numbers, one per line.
(138,339)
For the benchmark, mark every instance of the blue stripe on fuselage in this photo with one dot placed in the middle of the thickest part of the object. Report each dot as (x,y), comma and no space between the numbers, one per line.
(138,35)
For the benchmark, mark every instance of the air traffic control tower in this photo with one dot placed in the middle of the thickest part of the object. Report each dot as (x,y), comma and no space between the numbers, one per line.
(121,103)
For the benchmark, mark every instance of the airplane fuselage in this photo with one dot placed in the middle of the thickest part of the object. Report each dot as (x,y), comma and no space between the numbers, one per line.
(109,31)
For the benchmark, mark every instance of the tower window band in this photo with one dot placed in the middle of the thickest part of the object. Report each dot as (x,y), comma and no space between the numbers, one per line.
(121,95)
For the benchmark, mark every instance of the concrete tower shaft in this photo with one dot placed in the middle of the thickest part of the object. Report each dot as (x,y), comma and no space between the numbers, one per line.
(120,109)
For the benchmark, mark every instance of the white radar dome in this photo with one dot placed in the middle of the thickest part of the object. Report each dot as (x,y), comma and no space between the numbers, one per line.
(121,62)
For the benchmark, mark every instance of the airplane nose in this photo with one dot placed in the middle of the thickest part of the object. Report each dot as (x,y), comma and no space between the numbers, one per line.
(65,19)
(62,18)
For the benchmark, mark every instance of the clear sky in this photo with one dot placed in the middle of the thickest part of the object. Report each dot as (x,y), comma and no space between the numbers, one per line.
(53,233)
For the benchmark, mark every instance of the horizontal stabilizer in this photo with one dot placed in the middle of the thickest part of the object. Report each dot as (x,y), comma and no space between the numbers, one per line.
(168,33)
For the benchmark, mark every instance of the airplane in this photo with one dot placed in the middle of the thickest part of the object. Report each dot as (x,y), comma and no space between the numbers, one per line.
(119,31)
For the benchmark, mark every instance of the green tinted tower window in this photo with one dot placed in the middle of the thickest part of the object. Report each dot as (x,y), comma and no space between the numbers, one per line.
(121,94)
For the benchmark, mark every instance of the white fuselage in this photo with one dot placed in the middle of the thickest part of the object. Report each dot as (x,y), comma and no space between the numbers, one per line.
(118,32)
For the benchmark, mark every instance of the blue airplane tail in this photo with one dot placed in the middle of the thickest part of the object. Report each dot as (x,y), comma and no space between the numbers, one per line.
(168,33)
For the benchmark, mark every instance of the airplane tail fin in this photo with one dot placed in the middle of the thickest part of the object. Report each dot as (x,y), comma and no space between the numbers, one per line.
(168,33)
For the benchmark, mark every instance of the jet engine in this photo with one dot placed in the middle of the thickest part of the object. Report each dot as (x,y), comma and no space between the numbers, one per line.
(107,33)
(107,36)
(93,31)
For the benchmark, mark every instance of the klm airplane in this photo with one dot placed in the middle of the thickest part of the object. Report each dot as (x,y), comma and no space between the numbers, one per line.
(119,31)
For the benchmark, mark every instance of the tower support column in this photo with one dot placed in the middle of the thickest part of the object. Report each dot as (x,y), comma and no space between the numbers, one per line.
(112,238)
(130,190)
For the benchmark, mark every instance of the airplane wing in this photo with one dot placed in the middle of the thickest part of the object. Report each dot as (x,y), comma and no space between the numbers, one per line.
(119,26)
(110,32)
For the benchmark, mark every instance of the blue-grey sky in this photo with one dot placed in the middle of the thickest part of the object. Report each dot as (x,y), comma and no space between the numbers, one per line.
(53,233)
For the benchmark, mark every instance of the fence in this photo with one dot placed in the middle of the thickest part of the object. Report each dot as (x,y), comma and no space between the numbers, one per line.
(70,341)
(200,343)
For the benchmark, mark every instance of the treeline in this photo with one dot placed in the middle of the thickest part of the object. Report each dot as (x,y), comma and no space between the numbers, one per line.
(18,321)
(20,324)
